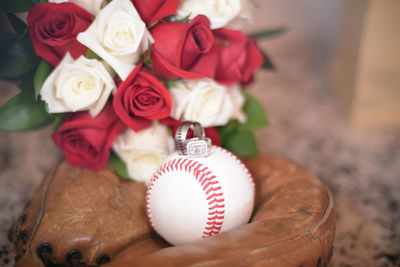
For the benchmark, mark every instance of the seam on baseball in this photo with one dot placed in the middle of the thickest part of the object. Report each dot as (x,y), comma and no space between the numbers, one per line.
(209,184)
(238,161)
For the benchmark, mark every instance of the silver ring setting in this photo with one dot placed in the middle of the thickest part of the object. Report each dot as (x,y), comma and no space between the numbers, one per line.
(198,146)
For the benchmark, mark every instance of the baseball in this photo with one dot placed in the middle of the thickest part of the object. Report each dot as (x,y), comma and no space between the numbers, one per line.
(193,198)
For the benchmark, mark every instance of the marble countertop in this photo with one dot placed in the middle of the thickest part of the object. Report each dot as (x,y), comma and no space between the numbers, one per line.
(362,169)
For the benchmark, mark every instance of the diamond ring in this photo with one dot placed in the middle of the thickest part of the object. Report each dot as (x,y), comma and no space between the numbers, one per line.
(198,146)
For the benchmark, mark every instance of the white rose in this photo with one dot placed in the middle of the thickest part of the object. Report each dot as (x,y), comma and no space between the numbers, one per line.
(238,100)
(76,85)
(118,35)
(220,12)
(143,151)
(91,6)
(244,17)
(206,101)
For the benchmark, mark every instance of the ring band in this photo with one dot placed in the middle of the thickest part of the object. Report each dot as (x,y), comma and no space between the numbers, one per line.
(182,131)
(197,146)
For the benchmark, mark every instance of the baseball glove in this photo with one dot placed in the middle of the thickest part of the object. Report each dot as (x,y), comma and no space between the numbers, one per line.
(82,218)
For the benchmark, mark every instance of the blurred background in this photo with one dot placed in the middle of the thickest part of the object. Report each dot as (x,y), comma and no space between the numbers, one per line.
(333,105)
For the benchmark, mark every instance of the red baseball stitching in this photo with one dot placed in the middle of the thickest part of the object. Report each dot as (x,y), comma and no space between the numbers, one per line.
(209,184)
(238,161)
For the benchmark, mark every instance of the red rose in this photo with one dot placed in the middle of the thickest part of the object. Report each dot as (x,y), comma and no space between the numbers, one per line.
(211,132)
(140,99)
(238,57)
(53,30)
(183,49)
(153,10)
(86,141)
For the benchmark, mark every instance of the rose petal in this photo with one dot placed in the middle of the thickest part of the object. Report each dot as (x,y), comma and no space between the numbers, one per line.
(154,10)
(137,115)
(122,63)
(53,30)
(61,101)
(86,141)
(92,6)
(143,151)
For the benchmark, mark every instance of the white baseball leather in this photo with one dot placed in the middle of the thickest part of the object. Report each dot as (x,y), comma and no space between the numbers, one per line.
(190,198)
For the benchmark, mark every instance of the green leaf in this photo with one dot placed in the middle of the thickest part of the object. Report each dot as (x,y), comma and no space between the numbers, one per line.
(241,143)
(184,20)
(254,3)
(92,55)
(17,6)
(18,25)
(268,33)
(41,74)
(118,166)
(238,137)
(25,82)
(268,65)
(58,120)
(153,24)
(147,61)
(255,114)
(17,56)
(171,83)
(22,113)
(230,128)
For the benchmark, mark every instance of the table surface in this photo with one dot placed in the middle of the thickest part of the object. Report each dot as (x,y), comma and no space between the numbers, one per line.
(362,169)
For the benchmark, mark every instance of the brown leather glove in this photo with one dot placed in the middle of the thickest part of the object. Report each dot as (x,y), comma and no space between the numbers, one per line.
(80,217)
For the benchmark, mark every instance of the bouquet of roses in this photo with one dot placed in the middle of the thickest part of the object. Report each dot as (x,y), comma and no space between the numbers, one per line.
(117,77)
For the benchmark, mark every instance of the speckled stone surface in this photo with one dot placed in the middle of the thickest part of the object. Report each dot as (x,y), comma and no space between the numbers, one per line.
(362,169)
